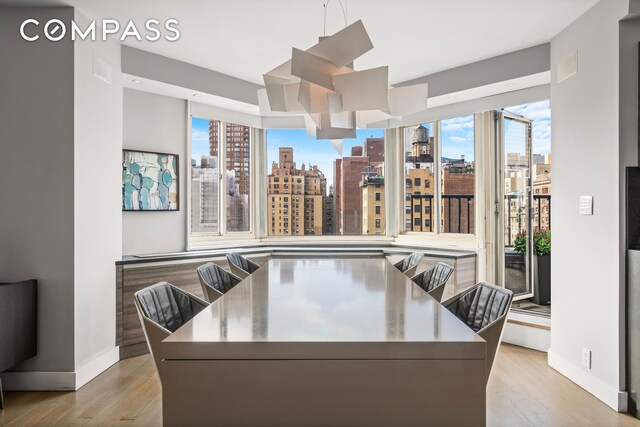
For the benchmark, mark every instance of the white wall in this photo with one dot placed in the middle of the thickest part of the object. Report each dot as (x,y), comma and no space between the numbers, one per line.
(37,178)
(156,123)
(98,199)
(586,273)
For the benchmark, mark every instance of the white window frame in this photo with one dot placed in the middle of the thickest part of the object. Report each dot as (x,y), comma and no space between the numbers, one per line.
(388,235)
(222,237)
(439,238)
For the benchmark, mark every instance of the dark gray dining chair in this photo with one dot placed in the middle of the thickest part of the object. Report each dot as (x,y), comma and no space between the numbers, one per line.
(434,279)
(240,265)
(484,308)
(409,265)
(215,281)
(162,309)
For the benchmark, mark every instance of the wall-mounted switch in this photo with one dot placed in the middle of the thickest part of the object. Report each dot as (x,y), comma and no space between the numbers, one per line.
(586,205)
(586,358)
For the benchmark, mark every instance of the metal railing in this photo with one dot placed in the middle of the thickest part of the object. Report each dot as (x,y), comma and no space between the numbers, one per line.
(457,213)
(516,215)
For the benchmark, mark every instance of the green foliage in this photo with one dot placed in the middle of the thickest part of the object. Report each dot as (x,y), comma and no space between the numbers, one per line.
(541,242)
(520,243)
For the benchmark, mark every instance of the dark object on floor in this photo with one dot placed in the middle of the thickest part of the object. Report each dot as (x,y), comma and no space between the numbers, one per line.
(542,279)
(18,324)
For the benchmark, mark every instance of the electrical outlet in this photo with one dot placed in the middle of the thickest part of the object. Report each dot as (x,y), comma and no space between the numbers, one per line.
(586,358)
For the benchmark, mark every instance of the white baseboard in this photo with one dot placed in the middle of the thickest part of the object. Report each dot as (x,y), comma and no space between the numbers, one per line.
(611,396)
(98,365)
(527,331)
(60,381)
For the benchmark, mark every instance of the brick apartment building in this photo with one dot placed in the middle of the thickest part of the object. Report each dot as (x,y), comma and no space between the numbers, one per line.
(295,198)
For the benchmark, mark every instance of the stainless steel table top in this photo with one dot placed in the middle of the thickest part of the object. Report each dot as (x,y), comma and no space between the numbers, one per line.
(325,309)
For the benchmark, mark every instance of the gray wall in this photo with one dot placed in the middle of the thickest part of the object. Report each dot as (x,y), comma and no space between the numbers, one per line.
(98,196)
(156,123)
(37,178)
(586,262)
(509,66)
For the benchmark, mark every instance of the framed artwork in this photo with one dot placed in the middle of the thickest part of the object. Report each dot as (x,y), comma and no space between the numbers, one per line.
(149,181)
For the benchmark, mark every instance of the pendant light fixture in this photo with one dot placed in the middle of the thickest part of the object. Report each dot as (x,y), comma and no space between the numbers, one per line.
(321,84)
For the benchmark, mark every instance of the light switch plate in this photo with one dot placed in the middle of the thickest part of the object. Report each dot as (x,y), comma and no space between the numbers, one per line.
(586,205)
(586,358)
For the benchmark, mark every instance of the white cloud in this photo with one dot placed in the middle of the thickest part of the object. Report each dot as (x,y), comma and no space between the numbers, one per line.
(458,139)
(540,114)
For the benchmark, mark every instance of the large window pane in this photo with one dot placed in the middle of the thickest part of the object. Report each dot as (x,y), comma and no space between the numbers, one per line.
(314,190)
(237,176)
(540,114)
(419,182)
(204,177)
(458,175)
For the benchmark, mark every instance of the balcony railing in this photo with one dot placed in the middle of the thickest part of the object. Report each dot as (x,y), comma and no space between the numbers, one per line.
(457,213)
(516,215)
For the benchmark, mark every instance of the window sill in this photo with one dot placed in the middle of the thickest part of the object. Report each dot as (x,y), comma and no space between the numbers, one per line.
(466,242)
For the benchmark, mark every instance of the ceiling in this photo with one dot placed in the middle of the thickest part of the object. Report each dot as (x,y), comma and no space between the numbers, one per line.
(246,38)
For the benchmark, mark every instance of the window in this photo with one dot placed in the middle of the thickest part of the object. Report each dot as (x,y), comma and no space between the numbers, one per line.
(377,223)
(442,149)
(419,145)
(458,175)
(541,156)
(215,195)
(339,194)
(205,181)
(238,186)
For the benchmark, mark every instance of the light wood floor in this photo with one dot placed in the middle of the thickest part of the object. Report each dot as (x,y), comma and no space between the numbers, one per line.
(523,391)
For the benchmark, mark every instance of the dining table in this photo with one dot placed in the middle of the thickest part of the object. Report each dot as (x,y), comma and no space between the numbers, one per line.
(324,342)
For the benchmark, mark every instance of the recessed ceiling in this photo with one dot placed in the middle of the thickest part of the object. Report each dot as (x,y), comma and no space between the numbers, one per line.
(246,38)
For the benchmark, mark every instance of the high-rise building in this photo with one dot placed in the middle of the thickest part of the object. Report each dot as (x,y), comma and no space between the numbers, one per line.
(458,189)
(374,150)
(329,213)
(349,211)
(373,215)
(204,195)
(351,183)
(420,183)
(296,198)
(337,200)
(237,150)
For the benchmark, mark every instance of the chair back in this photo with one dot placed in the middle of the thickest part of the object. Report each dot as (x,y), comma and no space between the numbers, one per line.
(240,266)
(162,309)
(434,279)
(483,308)
(215,281)
(409,265)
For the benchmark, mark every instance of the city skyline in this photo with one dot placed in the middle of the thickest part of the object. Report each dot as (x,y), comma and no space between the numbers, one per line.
(457,139)
(317,152)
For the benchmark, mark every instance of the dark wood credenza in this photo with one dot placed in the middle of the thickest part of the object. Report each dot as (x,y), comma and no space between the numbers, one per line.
(18,324)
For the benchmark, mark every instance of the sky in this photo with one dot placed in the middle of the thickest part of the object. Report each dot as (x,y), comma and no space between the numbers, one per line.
(540,113)
(199,138)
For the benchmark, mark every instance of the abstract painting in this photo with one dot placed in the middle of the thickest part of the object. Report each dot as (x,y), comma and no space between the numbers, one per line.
(149,181)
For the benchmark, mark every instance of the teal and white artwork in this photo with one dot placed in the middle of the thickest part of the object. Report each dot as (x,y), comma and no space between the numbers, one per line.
(149,181)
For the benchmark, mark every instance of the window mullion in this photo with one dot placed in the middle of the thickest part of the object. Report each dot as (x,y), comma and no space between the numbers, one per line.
(437,177)
(222,167)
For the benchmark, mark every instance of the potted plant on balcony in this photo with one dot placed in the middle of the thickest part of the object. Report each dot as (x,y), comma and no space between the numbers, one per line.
(541,263)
